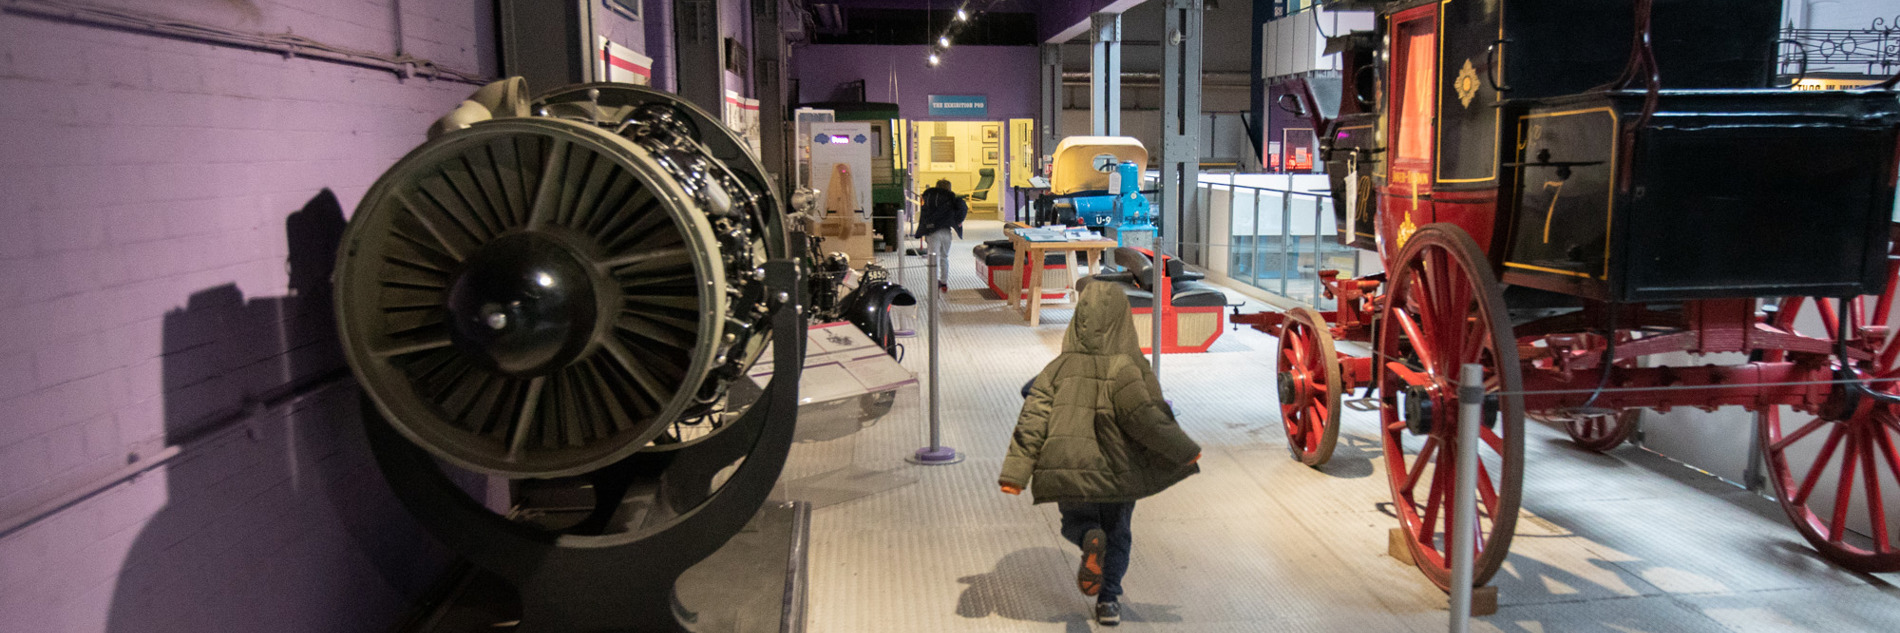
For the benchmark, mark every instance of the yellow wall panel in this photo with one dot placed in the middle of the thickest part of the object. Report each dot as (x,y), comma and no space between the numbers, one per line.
(970,147)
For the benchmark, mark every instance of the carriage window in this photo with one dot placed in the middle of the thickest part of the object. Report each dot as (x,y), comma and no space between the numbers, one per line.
(1416,43)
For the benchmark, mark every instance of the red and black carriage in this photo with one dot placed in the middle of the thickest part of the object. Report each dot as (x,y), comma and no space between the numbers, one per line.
(1562,192)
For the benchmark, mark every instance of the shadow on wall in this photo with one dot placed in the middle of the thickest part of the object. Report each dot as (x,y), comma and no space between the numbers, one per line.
(275,517)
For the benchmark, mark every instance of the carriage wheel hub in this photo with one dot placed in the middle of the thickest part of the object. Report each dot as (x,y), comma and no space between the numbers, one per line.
(1289,388)
(1418,409)
(524,305)
(1842,402)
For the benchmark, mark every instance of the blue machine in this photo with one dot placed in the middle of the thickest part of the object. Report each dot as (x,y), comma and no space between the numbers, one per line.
(1100,177)
(1125,213)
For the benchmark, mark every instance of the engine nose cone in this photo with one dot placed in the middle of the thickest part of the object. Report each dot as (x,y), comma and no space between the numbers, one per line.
(524,305)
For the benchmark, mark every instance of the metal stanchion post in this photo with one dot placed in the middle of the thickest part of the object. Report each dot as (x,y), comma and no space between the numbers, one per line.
(936,453)
(904,227)
(1154,307)
(1289,260)
(1752,477)
(1319,253)
(1255,261)
(1464,505)
(903,251)
(1155,300)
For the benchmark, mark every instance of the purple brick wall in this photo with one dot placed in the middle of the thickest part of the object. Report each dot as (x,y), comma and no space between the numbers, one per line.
(616,26)
(170,210)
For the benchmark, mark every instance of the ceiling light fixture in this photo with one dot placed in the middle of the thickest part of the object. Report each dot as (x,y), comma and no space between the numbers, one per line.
(961,16)
(933,59)
(944,41)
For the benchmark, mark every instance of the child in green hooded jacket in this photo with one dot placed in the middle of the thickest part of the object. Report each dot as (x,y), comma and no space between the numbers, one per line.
(1094,435)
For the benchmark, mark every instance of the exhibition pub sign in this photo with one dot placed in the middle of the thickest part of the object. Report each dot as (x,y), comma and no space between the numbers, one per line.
(960,106)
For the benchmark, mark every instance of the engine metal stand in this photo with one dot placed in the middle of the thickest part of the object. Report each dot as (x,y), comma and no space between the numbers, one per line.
(621,583)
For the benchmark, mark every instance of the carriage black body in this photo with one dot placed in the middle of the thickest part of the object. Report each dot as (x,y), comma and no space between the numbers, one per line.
(1549,148)
(1729,194)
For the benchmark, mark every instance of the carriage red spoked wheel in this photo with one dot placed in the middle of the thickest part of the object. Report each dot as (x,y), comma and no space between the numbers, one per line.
(1599,432)
(1828,473)
(1309,386)
(1444,309)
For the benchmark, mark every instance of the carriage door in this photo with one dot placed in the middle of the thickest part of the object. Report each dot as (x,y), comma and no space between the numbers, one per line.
(1413,90)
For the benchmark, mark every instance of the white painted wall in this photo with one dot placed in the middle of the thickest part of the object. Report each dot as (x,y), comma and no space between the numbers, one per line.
(1296,43)
(1839,14)
(1718,442)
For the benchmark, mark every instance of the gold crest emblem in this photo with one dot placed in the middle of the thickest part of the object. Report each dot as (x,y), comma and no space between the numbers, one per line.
(1406,229)
(1467,83)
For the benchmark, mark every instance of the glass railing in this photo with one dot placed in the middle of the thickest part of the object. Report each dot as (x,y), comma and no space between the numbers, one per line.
(1274,232)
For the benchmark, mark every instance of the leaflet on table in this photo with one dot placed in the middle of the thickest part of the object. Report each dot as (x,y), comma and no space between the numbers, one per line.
(1042,235)
(1058,234)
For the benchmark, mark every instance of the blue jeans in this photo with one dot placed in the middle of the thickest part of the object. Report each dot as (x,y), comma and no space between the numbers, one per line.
(940,253)
(1115,519)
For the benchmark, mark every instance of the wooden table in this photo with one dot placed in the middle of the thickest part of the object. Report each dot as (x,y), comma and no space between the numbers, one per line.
(1095,253)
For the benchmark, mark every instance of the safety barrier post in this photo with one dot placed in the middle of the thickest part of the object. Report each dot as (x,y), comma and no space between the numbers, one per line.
(1155,301)
(936,453)
(904,326)
(1464,507)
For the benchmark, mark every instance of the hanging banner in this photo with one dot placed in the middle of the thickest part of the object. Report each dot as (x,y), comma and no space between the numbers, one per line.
(742,116)
(625,65)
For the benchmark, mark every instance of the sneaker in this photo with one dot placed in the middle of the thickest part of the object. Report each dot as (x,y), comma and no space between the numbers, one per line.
(1108,613)
(1089,576)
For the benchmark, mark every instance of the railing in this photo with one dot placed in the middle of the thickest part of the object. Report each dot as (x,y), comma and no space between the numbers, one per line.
(1274,232)
(1280,238)
(1873,51)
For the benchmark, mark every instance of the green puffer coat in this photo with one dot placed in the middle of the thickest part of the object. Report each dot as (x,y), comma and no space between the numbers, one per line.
(1094,427)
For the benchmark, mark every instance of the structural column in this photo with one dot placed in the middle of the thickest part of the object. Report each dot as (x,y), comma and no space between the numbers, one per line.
(1180,126)
(1105,74)
(551,44)
(699,59)
(1051,99)
(768,51)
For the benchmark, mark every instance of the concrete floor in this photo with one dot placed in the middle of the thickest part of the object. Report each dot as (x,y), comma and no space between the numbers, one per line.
(1627,541)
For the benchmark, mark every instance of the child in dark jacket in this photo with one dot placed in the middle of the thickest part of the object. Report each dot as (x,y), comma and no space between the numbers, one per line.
(1094,435)
(941,212)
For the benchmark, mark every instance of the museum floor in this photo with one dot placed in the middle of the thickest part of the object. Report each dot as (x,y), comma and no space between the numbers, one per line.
(1628,541)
